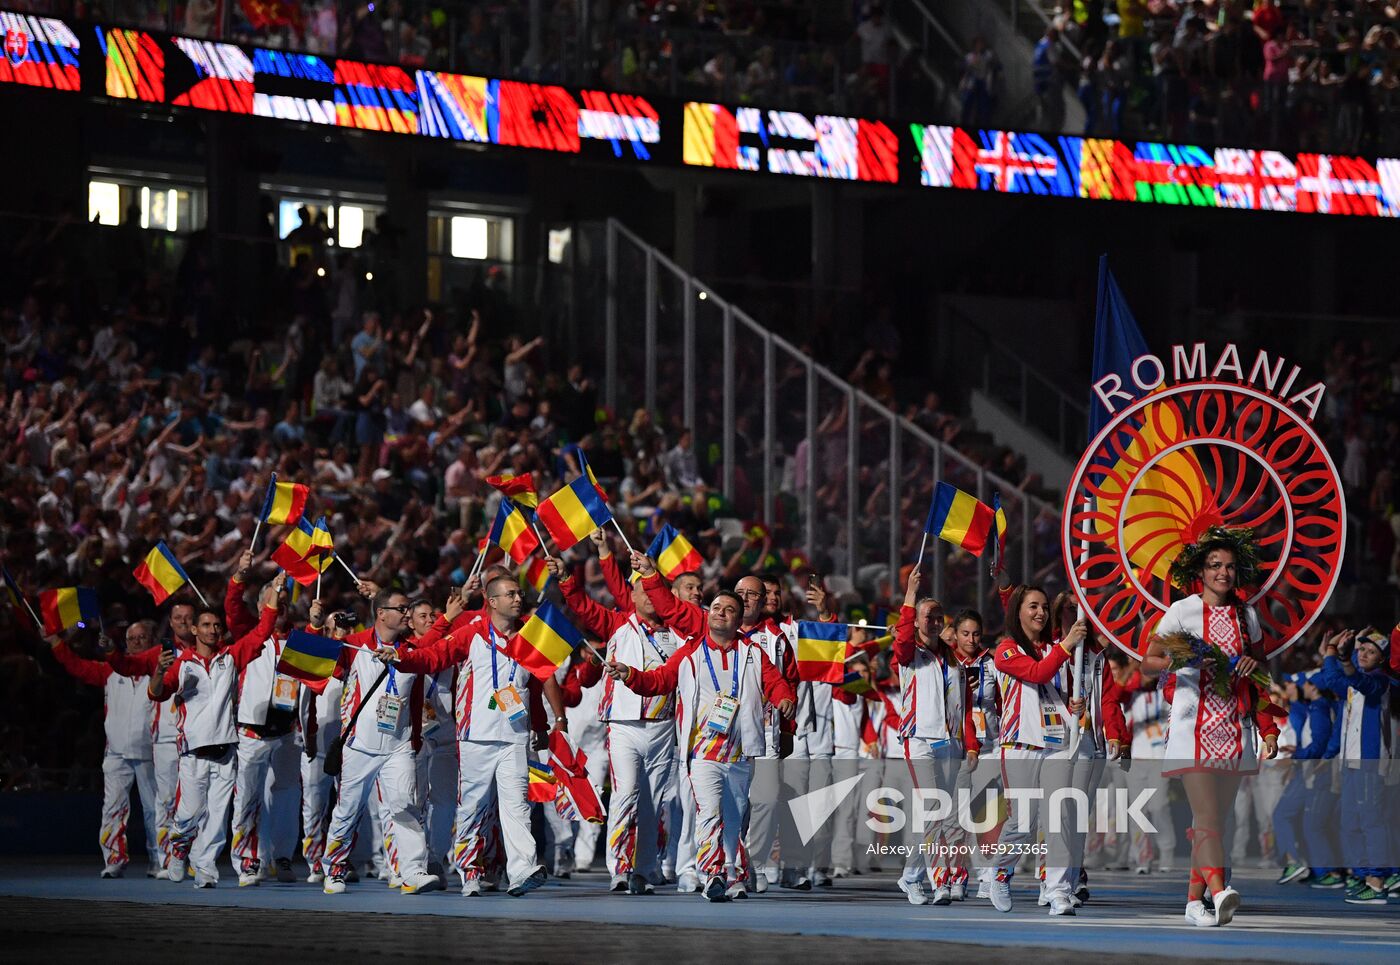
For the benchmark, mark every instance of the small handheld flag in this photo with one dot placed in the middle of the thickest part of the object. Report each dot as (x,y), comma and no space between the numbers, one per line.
(300,556)
(161,573)
(821,652)
(511,532)
(998,534)
(71,606)
(544,642)
(959,518)
(309,658)
(536,574)
(544,787)
(16,597)
(578,798)
(284,502)
(519,489)
(575,511)
(673,553)
(856,683)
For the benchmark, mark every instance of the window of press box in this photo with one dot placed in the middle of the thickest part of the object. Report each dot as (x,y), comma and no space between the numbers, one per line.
(336,224)
(154,205)
(470,237)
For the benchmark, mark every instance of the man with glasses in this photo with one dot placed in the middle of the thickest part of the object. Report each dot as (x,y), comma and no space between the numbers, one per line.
(437,764)
(381,750)
(496,708)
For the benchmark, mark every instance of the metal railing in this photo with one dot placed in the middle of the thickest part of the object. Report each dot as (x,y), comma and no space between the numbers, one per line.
(785,438)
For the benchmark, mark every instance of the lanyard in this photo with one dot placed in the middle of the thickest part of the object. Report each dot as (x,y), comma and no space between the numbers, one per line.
(389,686)
(495,680)
(734,690)
(651,639)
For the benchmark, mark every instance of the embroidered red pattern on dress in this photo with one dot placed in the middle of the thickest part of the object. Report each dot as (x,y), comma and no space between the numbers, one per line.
(1218,726)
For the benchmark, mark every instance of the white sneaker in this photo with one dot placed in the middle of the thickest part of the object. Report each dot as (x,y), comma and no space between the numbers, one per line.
(419,882)
(154,870)
(688,884)
(941,896)
(315,878)
(248,879)
(1000,893)
(202,880)
(471,888)
(1042,900)
(715,890)
(113,871)
(394,881)
(771,873)
(736,891)
(1198,915)
(840,872)
(1060,905)
(176,871)
(984,889)
(1142,869)
(619,883)
(335,885)
(162,875)
(760,883)
(820,879)
(1227,902)
(958,891)
(914,891)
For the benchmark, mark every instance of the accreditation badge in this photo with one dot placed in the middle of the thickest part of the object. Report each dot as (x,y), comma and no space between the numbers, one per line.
(509,703)
(284,692)
(387,713)
(721,716)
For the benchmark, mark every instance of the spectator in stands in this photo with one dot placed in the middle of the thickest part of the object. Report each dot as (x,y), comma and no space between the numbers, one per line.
(1048,83)
(877,51)
(976,89)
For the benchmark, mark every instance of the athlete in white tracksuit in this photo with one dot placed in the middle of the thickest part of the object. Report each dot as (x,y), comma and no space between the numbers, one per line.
(205,681)
(266,794)
(126,759)
(493,715)
(641,730)
(935,730)
(1035,720)
(165,728)
(983,701)
(722,682)
(437,763)
(318,727)
(381,750)
(1149,712)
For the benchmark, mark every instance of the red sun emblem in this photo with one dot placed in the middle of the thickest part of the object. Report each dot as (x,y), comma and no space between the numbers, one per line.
(1179,461)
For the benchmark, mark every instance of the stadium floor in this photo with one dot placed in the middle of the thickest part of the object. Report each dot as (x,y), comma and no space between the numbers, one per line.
(861,919)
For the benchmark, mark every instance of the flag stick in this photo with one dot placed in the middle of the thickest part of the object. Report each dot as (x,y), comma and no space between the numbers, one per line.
(318,584)
(625,541)
(923,545)
(347,568)
(32,615)
(198,594)
(540,536)
(252,546)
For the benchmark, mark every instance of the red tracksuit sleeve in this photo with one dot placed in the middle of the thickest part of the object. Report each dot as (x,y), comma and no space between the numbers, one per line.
(450,649)
(662,679)
(142,664)
(247,647)
(1004,594)
(1115,727)
(970,741)
(91,672)
(617,584)
(1010,660)
(170,683)
(592,615)
(434,633)
(904,637)
(237,617)
(687,619)
(776,687)
(588,672)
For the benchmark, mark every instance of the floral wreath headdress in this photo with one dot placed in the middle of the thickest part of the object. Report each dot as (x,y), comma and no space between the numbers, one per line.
(1186,568)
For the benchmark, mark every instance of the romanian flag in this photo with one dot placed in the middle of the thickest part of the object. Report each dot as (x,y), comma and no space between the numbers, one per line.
(960,519)
(72,606)
(673,553)
(545,641)
(12,591)
(511,532)
(576,510)
(284,502)
(519,488)
(161,573)
(301,556)
(821,652)
(309,658)
(536,574)
(578,798)
(855,683)
(544,786)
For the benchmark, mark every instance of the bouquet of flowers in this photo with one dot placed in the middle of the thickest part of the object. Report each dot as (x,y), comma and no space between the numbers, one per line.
(1189,650)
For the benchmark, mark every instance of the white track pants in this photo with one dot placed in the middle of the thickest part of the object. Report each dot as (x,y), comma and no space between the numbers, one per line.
(395,776)
(316,787)
(265,800)
(721,817)
(493,776)
(165,761)
(1021,768)
(804,771)
(118,774)
(640,755)
(844,766)
(685,828)
(766,778)
(202,802)
(931,766)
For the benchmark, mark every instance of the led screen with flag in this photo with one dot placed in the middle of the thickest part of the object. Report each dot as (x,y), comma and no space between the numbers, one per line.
(544,642)
(1170,500)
